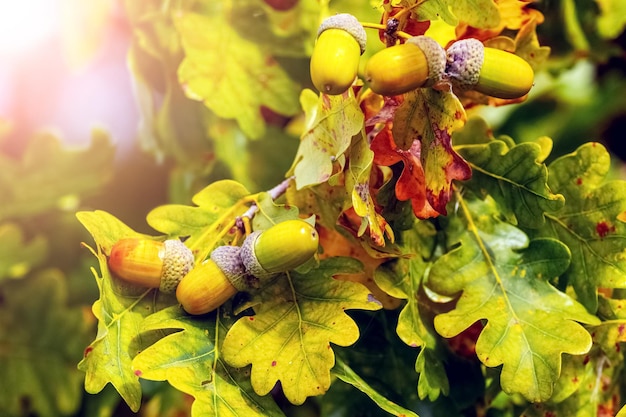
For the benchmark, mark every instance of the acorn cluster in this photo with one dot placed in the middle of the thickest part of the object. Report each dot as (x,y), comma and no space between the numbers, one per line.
(419,62)
(169,266)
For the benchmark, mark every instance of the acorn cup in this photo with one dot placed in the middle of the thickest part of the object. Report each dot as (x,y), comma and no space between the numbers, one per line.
(334,63)
(150,263)
(490,71)
(419,62)
(231,269)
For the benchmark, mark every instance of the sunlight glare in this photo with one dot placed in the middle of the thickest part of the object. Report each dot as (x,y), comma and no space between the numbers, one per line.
(25,24)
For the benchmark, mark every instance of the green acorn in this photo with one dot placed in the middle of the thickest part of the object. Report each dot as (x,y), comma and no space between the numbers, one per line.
(419,62)
(490,71)
(231,269)
(280,248)
(340,43)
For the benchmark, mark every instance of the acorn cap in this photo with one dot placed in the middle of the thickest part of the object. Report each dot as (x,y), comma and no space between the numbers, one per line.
(435,56)
(177,262)
(347,22)
(228,259)
(249,259)
(464,62)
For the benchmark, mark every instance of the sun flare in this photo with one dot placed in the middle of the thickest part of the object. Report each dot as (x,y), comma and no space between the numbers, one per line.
(26,23)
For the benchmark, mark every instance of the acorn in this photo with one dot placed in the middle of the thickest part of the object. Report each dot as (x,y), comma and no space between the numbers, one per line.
(150,263)
(494,72)
(213,282)
(280,248)
(334,63)
(231,269)
(419,62)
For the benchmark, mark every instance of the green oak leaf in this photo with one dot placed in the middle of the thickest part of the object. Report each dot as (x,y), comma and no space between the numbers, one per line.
(41,340)
(271,213)
(403,279)
(477,132)
(296,319)
(331,122)
(347,375)
(429,116)
(17,256)
(120,311)
(230,74)
(50,176)
(503,280)
(515,178)
(527,46)
(188,359)
(217,205)
(589,223)
(477,13)
(612,19)
(289,33)
(586,388)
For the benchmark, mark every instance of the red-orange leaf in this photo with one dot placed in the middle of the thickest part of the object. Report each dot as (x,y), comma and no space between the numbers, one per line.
(423,122)
(411,184)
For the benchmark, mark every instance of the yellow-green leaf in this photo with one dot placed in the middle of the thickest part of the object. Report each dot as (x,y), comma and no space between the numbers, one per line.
(188,360)
(612,19)
(230,74)
(515,178)
(218,204)
(589,222)
(358,183)
(331,122)
(477,13)
(120,311)
(503,279)
(296,319)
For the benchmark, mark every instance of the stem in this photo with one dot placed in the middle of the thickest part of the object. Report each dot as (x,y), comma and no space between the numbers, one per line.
(274,193)
(380,26)
(229,219)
